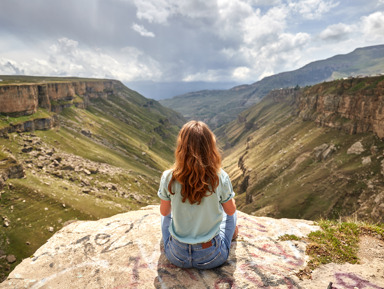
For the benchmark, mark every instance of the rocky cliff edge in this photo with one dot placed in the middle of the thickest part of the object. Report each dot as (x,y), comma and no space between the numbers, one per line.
(25,99)
(126,251)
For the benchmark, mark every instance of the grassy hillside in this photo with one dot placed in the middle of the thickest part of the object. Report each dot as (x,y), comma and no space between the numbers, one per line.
(20,79)
(282,166)
(221,106)
(98,162)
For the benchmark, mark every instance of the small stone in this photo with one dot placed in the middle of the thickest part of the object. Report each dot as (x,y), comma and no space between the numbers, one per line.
(11,259)
(51,229)
(366,160)
(357,148)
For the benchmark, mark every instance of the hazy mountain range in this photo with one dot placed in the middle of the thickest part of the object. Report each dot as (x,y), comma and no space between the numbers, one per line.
(217,107)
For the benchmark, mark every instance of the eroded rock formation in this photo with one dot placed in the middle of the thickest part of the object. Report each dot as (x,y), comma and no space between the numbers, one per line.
(10,168)
(25,99)
(355,105)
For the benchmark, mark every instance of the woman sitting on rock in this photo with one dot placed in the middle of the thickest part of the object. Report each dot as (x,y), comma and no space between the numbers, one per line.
(197,206)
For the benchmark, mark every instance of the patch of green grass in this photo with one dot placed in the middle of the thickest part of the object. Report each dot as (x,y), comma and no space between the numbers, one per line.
(337,242)
(25,79)
(8,120)
(289,237)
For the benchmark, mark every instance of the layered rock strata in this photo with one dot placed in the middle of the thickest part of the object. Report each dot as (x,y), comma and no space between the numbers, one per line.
(355,105)
(25,99)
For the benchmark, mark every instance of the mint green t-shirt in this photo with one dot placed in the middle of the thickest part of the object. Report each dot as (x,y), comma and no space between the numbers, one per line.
(194,224)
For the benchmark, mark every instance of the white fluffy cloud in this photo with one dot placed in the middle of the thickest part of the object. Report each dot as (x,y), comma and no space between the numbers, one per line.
(337,32)
(373,26)
(68,57)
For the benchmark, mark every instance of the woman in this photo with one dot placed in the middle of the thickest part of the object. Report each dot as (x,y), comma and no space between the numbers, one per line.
(194,194)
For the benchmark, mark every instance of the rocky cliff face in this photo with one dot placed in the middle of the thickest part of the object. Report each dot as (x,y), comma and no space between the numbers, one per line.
(25,99)
(355,105)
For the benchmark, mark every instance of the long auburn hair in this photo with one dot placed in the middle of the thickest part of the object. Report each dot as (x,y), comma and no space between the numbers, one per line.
(197,163)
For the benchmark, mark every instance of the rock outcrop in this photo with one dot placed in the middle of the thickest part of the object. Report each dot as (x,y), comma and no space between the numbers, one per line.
(355,105)
(10,169)
(126,251)
(25,99)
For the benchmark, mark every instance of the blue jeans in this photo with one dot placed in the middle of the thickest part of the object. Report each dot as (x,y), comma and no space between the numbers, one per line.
(194,256)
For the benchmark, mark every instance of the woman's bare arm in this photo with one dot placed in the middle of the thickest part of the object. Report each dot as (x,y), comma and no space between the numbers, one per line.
(165,207)
(229,207)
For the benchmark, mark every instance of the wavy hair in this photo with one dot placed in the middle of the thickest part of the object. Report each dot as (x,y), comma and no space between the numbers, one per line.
(197,163)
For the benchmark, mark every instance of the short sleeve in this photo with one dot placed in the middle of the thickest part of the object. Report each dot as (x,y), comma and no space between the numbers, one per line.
(163,192)
(227,192)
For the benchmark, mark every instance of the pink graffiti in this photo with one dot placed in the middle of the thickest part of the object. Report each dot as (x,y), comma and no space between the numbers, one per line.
(260,228)
(351,281)
(293,260)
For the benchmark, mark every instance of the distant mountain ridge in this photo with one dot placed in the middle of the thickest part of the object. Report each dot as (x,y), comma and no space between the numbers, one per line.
(217,107)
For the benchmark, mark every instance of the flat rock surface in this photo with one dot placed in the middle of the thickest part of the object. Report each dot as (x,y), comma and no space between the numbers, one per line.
(126,251)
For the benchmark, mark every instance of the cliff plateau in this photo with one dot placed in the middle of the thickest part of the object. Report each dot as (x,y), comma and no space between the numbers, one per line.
(355,105)
(25,99)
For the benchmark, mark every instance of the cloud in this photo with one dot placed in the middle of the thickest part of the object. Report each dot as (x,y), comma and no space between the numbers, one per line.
(373,26)
(173,40)
(154,11)
(68,57)
(337,32)
(142,31)
(312,9)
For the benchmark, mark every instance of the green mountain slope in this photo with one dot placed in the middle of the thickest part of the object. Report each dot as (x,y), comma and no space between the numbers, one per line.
(284,166)
(221,106)
(95,163)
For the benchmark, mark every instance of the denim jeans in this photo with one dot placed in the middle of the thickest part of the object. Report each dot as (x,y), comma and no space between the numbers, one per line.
(194,256)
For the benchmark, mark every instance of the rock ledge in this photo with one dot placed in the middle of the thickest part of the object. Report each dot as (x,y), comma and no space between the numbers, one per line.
(125,251)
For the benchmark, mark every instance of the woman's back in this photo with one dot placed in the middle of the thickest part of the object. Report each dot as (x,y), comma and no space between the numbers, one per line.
(194,194)
(194,223)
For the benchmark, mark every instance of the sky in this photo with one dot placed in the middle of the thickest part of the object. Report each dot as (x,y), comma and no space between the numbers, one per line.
(166,41)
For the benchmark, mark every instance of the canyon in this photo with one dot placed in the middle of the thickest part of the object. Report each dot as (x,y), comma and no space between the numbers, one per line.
(87,150)
(311,152)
